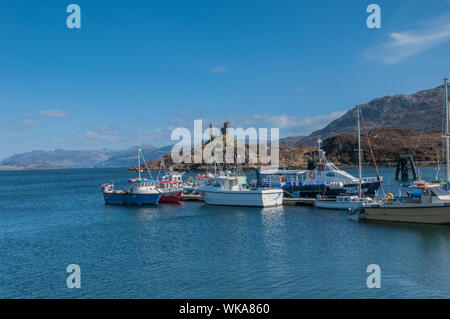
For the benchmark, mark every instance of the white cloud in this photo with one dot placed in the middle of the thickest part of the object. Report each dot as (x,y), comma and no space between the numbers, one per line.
(219,69)
(53,114)
(289,125)
(28,122)
(293,124)
(103,134)
(402,45)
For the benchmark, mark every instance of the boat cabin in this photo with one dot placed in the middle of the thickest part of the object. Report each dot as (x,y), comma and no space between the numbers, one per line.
(167,185)
(434,193)
(142,186)
(231,183)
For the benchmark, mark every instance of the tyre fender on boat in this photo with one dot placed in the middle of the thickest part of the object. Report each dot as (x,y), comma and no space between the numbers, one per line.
(312,175)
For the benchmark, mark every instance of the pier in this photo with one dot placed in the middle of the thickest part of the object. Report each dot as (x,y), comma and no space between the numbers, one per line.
(298,201)
(191,197)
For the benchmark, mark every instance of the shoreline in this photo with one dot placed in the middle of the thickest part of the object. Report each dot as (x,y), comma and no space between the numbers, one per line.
(7,168)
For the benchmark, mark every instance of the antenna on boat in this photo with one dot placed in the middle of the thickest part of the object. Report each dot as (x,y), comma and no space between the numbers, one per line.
(319,141)
(447,151)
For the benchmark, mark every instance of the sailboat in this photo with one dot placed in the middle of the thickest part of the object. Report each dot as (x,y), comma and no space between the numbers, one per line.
(348,202)
(142,191)
(433,206)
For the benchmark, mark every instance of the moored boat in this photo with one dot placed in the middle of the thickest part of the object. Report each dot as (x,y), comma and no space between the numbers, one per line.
(232,191)
(321,178)
(141,191)
(170,185)
(433,204)
(171,191)
(433,207)
(344,203)
(351,203)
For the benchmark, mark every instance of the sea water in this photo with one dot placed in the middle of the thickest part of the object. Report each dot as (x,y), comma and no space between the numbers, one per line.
(53,218)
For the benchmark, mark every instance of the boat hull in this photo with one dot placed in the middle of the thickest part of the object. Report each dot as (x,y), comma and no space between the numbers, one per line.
(431,214)
(130,199)
(324,204)
(311,191)
(171,197)
(256,198)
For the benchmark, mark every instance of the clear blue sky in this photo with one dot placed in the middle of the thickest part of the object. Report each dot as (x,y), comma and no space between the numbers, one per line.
(150,66)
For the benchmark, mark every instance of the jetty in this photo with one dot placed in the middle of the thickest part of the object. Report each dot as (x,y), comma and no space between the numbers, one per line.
(191,197)
(298,201)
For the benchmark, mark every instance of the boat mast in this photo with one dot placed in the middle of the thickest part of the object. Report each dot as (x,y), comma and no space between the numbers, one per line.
(139,161)
(447,151)
(359,155)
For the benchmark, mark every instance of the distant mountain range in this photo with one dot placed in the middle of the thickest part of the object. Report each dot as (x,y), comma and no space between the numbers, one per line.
(413,114)
(420,112)
(81,159)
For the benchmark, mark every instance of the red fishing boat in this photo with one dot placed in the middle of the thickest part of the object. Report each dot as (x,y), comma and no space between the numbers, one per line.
(171,191)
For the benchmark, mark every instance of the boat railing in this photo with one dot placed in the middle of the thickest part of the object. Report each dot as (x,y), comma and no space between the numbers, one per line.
(370,179)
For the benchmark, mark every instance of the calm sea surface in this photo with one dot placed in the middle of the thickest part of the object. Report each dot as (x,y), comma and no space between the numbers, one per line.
(50,219)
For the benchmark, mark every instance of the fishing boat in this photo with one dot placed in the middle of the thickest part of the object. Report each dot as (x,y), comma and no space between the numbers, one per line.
(344,203)
(351,203)
(142,191)
(233,191)
(433,207)
(321,178)
(171,187)
(190,186)
(433,204)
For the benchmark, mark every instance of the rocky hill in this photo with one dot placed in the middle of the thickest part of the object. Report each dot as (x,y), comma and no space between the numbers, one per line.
(420,112)
(388,145)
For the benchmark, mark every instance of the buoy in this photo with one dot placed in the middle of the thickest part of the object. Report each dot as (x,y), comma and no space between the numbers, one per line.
(390,196)
(312,175)
(422,184)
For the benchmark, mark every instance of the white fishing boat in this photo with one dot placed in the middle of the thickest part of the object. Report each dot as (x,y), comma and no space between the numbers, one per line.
(233,191)
(433,206)
(344,203)
(194,182)
(351,203)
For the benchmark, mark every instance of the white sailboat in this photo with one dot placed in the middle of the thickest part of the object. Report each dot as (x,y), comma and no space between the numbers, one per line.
(348,202)
(433,206)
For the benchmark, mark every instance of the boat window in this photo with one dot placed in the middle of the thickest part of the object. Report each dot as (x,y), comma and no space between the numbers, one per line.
(439,191)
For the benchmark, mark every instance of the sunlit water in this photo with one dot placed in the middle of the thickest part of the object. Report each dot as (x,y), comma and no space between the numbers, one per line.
(50,219)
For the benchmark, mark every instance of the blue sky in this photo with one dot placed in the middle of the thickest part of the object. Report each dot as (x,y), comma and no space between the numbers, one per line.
(150,66)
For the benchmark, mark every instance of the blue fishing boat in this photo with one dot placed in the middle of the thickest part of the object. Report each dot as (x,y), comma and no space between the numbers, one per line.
(141,191)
